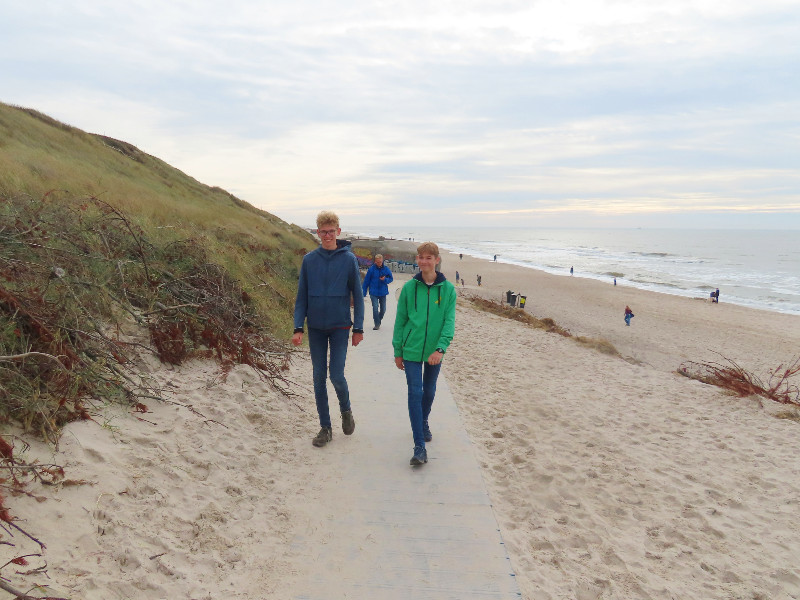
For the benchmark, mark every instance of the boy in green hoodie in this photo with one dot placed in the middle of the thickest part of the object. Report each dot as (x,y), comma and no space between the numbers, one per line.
(423,330)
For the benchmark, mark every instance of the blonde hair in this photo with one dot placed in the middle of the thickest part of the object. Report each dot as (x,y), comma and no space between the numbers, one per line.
(327,217)
(377,256)
(428,248)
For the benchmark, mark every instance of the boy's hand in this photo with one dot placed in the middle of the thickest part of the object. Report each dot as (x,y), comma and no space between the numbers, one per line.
(297,338)
(435,358)
(398,360)
(357,338)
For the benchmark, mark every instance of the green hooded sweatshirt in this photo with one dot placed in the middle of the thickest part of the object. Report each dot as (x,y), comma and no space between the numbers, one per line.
(426,318)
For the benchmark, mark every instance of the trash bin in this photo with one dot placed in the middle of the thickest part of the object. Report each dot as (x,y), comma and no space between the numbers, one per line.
(522,301)
(508,296)
(512,300)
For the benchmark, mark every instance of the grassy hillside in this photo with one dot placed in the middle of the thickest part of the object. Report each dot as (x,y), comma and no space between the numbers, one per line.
(98,238)
(39,156)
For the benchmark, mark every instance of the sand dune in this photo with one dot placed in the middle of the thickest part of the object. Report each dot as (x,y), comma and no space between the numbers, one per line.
(619,480)
(610,478)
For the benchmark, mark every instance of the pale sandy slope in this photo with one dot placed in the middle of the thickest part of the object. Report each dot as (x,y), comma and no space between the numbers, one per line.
(609,479)
(615,480)
(177,503)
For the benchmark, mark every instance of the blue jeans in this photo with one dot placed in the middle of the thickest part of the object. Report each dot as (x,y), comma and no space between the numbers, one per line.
(421,379)
(318,342)
(378,308)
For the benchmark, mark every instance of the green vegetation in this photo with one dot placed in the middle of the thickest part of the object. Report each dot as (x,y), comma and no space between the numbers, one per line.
(106,252)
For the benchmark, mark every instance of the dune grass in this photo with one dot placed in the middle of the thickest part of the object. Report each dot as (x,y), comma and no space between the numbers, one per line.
(93,231)
(547,324)
(106,253)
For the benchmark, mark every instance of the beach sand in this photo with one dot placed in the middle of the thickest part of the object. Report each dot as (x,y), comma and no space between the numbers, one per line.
(621,479)
(611,477)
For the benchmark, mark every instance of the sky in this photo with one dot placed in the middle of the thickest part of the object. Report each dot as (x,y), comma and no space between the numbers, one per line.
(452,113)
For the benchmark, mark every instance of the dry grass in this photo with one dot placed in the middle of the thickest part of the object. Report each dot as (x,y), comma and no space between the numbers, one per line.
(791,415)
(599,344)
(547,324)
(780,386)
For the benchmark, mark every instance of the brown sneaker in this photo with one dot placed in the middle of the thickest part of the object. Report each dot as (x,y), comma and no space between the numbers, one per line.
(324,436)
(348,422)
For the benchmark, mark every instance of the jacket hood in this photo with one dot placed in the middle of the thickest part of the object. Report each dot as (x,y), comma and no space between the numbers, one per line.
(341,245)
(440,278)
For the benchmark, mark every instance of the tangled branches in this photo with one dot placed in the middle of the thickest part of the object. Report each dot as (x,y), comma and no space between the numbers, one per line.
(779,387)
(84,291)
(14,477)
(77,278)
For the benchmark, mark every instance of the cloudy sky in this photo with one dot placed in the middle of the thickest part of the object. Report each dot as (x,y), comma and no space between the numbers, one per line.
(505,112)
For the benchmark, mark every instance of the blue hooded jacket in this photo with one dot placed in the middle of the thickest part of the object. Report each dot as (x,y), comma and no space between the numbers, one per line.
(373,283)
(329,279)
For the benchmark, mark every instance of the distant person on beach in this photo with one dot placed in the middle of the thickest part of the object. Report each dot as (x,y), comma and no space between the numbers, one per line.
(329,281)
(495,258)
(628,315)
(615,281)
(462,283)
(458,277)
(423,330)
(460,256)
(715,296)
(479,280)
(377,281)
(570,270)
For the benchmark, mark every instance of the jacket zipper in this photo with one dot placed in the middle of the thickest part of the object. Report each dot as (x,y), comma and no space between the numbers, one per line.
(427,319)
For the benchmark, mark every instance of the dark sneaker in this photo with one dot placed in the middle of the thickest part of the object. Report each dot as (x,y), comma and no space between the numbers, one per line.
(420,456)
(348,422)
(324,436)
(377,326)
(426,431)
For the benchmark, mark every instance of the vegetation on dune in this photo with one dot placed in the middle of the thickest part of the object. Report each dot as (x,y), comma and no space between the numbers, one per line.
(547,324)
(107,253)
(780,387)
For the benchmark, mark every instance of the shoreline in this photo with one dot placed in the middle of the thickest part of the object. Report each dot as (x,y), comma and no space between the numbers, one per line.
(662,282)
(757,339)
(626,283)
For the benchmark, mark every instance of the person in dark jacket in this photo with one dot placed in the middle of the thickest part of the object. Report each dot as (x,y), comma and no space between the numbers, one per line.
(329,281)
(377,281)
(423,329)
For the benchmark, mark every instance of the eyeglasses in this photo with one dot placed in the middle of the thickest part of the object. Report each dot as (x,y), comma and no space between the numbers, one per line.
(326,232)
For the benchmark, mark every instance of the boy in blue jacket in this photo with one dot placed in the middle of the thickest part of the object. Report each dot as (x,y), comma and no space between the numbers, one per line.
(377,281)
(329,279)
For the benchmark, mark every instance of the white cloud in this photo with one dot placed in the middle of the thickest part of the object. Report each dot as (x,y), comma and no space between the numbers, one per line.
(472,106)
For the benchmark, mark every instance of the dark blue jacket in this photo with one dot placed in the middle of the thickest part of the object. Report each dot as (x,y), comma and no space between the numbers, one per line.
(329,279)
(373,283)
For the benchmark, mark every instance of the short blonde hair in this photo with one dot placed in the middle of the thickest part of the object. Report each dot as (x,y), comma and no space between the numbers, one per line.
(327,217)
(377,256)
(428,248)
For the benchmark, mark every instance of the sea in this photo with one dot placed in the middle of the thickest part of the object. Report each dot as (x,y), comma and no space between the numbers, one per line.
(759,269)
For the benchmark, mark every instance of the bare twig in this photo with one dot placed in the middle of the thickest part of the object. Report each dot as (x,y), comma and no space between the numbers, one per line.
(167,308)
(24,355)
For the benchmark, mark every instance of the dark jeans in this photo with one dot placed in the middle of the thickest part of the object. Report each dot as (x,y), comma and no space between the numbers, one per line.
(318,342)
(378,308)
(421,379)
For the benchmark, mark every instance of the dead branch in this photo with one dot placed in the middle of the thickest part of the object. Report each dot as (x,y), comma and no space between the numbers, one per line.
(27,354)
(167,308)
(18,595)
(779,388)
